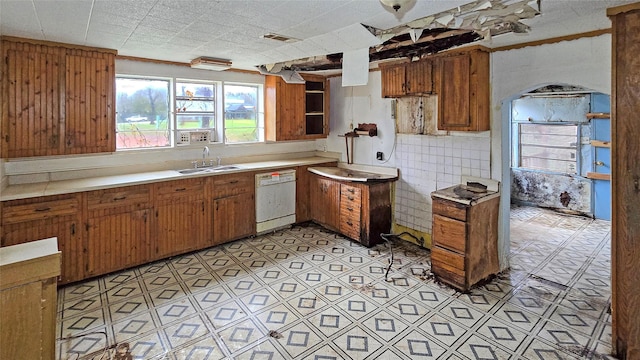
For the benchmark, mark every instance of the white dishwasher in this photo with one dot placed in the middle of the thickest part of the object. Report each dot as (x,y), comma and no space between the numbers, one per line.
(275,200)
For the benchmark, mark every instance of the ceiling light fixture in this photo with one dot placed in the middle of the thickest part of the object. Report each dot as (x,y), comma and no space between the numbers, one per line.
(208,63)
(395,4)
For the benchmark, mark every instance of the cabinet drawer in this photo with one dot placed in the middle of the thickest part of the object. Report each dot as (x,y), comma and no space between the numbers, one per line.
(453,278)
(450,209)
(449,233)
(180,189)
(119,197)
(350,195)
(232,184)
(350,226)
(447,260)
(12,214)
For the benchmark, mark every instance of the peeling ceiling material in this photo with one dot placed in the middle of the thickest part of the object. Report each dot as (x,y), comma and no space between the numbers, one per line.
(181,30)
(461,25)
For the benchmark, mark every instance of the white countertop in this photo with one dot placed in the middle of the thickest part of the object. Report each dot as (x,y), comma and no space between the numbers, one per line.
(23,191)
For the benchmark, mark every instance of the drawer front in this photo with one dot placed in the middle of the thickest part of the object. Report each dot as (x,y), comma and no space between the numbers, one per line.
(119,197)
(449,233)
(351,196)
(350,220)
(180,189)
(38,211)
(232,184)
(449,209)
(448,260)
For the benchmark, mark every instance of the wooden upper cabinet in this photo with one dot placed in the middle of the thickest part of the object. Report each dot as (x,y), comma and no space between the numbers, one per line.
(59,99)
(89,103)
(296,111)
(32,91)
(414,78)
(463,91)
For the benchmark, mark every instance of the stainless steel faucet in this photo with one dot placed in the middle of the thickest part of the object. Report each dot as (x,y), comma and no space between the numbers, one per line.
(205,154)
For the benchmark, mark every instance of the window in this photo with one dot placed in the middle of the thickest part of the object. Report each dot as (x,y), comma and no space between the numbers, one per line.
(242,114)
(550,147)
(151,110)
(196,109)
(142,113)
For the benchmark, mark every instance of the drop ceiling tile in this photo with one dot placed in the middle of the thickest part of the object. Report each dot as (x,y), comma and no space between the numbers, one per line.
(18,16)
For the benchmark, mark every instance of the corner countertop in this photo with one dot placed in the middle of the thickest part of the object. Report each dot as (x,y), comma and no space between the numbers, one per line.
(23,191)
(357,173)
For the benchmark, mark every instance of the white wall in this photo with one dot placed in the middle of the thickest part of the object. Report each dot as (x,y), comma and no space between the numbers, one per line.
(426,162)
(583,62)
(39,169)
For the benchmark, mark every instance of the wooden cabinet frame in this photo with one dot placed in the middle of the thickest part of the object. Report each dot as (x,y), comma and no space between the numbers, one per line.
(60,99)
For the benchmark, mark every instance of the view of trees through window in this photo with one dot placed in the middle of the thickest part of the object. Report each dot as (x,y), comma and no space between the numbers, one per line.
(142,113)
(195,105)
(144,107)
(241,117)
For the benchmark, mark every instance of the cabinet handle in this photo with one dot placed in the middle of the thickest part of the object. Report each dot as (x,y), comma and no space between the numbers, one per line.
(233,181)
(119,198)
(351,191)
(350,209)
(43,209)
(73,229)
(350,198)
(349,223)
(181,189)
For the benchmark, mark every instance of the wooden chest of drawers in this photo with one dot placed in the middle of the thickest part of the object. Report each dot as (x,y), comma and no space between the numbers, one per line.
(464,241)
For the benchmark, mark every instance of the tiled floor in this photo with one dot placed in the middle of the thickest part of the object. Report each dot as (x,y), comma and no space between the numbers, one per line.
(306,293)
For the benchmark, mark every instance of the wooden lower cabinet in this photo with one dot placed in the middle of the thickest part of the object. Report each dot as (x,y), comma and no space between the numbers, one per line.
(234,217)
(117,241)
(324,197)
(28,300)
(360,211)
(182,219)
(118,229)
(465,241)
(234,211)
(44,217)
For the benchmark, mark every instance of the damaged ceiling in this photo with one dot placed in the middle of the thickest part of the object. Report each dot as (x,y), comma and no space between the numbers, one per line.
(464,24)
(238,30)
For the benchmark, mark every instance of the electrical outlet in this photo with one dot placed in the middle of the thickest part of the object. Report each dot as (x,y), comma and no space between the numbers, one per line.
(379,155)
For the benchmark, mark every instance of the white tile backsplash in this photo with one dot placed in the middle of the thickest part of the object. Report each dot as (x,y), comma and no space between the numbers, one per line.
(428,163)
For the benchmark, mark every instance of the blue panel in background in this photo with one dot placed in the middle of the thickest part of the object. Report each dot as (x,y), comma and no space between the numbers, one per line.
(602,197)
(600,103)
(601,129)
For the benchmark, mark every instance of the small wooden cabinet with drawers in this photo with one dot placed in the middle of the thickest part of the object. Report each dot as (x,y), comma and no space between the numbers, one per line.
(360,211)
(464,241)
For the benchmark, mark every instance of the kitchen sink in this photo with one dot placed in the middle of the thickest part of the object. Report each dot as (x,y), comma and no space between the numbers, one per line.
(225,168)
(219,168)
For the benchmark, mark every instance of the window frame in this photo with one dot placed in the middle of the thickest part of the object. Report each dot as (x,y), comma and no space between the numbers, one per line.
(170,96)
(218,131)
(516,148)
(259,112)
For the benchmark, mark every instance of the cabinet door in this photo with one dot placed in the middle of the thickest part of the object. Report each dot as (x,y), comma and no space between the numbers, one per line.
(234,217)
(454,91)
(117,241)
(325,201)
(69,242)
(180,227)
(89,103)
(33,95)
(419,79)
(40,218)
(291,111)
(393,80)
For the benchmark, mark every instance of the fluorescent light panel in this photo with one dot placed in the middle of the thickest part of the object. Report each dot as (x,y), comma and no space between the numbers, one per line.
(208,63)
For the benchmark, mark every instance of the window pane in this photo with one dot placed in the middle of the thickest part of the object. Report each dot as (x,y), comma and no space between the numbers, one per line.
(195,105)
(142,118)
(241,120)
(548,147)
(194,121)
